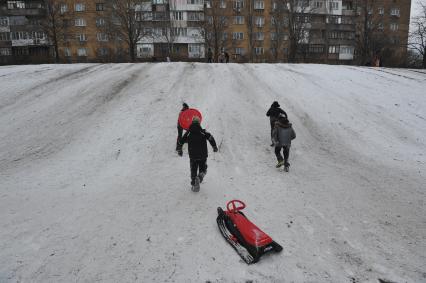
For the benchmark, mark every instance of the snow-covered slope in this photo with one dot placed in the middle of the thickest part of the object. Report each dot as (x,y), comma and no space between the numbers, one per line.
(92,190)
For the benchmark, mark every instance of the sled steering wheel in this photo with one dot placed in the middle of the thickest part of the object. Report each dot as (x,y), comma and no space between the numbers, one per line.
(233,207)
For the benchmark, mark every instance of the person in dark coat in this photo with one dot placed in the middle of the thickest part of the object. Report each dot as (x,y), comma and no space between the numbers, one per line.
(282,135)
(209,56)
(197,138)
(226,57)
(180,131)
(273,113)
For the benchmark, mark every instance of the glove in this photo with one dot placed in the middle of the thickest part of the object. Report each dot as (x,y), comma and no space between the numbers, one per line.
(180,152)
(215,149)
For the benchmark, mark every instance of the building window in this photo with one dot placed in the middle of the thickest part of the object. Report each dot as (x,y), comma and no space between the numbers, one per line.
(274,36)
(103,51)
(259,5)
(102,36)
(260,21)
(238,35)
(347,50)
(195,16)
(258,36)
(180,31)
(99,6)
(80,22)
(394,26)
(317,4)
(380,26)
(67,52)
(178,16)
(4,21)
(238,20)
(82,52)
(5,51)
(239,51)
(195,2)
(258,50)
(222,4)
(100,22)
(81,37)
(194,48)
(224,36)
(316,49)
(381,11)
(79,7)
(238,5)
(4,36)
(333,49)
(15,5)
(334,5)
(64,8)
(395,12)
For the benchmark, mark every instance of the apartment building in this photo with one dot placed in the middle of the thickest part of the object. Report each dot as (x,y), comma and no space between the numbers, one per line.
(318,31)
(86,34)
(329,31)
(172,29)
(22,38)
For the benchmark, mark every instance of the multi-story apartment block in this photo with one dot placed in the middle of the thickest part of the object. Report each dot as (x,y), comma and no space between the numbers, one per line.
(86,34)
(322,31)
(22,38)
(319,31)
(172,29)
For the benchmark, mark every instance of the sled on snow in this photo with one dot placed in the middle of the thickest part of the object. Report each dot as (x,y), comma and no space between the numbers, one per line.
(246,238)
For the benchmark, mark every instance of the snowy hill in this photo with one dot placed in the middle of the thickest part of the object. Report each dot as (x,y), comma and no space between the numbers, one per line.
(92,190)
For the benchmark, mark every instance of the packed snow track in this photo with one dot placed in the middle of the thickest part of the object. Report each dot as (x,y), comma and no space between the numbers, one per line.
(91,188)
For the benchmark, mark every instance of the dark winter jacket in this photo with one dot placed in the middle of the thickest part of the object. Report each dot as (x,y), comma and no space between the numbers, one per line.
(197,138)
(184,107)
(274,112)
(283,134)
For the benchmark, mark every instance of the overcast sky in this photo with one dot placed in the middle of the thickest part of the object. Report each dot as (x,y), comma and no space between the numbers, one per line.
(415,6)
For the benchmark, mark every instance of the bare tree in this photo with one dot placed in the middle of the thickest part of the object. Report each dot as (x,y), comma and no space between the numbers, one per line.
(127,25)
(214,26)
(371,39)
(298,13)
(279,26)
(417,39)
(53,25)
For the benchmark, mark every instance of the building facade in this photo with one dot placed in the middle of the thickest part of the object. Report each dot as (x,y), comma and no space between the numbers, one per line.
(22,38)
(316,31)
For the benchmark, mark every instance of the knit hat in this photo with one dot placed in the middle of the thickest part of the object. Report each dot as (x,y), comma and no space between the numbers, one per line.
(275,104)
(184,105)
(196,119)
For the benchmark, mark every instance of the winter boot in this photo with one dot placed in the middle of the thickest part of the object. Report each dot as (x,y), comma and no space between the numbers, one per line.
(196,185)
(279,164)
(286,166)
(201,176)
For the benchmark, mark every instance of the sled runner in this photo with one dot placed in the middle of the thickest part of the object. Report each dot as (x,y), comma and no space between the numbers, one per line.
(246,238)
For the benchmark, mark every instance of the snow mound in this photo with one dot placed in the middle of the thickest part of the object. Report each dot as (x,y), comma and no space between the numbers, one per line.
(92,190)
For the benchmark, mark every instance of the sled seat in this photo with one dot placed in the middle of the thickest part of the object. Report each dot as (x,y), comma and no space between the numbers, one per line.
(251,233)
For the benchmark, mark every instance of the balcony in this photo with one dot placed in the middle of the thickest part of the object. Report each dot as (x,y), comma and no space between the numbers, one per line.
(26,12)
(348,12)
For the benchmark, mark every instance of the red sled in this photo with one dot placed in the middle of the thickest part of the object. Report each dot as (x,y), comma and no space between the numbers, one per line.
(246,238)
(186,116)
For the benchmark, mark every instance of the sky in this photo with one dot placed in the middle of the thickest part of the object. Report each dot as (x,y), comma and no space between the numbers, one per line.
(415,7)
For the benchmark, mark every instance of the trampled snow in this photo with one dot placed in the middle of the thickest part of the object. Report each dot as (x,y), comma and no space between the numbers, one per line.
(91,188)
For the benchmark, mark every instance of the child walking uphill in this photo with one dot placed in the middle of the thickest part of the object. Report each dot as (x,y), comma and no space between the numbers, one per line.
(274,113)
(282,135)
(197,138)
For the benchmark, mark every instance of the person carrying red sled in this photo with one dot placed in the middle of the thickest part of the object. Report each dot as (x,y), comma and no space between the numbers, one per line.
(282,135)
(197,138)
(180,130)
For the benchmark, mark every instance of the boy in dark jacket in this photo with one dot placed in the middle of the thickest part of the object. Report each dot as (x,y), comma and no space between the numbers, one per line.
(180,131)
(282,135)
(273,113)
(197,138)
